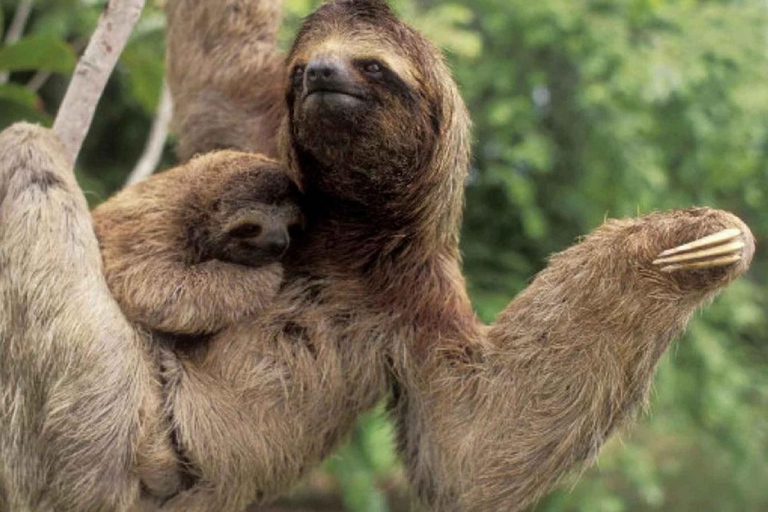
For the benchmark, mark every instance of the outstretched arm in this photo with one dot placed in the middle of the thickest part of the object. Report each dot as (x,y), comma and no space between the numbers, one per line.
(490,420)
(81,423)
(225,74)
(153,236)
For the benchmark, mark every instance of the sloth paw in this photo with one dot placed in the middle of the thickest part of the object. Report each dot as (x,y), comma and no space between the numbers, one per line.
(720,249)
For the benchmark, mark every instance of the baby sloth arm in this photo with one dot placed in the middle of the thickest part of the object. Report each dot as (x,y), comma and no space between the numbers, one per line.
(197,248)
(492,417)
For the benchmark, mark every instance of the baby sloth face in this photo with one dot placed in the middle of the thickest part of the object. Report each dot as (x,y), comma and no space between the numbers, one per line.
(254,219)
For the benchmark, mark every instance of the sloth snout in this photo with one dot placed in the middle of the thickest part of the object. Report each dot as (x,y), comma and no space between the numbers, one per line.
(274,242)
(328,74)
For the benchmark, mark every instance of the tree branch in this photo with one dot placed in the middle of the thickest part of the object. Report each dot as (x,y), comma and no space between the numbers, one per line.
(93,71)
(16,30)
(38,80)
(153,150)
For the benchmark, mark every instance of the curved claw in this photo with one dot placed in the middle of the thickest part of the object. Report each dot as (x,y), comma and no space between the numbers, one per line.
(717,250)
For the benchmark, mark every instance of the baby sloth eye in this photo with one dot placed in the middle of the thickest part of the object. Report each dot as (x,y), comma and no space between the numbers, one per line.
(246,231)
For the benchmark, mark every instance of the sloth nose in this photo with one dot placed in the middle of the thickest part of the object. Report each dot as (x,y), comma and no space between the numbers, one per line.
(325,74)
(274,242)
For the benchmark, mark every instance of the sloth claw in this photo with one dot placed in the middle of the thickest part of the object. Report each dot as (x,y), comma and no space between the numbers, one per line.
(718,250)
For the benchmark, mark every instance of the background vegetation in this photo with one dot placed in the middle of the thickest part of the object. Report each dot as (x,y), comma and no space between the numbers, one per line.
(583,109)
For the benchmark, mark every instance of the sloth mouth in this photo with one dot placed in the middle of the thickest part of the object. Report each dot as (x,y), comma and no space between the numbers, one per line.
(335,94)
(330,94)
(333,102)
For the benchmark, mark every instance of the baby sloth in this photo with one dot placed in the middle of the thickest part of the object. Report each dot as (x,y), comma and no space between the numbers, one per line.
(197,248)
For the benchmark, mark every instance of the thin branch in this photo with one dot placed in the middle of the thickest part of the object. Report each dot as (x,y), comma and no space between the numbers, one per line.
(38,80)
(93,71)
(153,150)
(16,30)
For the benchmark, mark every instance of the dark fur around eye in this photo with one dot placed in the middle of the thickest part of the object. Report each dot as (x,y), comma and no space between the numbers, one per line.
(377,72)
(297,77)
(246,231)
(371,67)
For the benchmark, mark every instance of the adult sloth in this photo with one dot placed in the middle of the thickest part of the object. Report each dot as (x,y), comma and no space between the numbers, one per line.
(376,133)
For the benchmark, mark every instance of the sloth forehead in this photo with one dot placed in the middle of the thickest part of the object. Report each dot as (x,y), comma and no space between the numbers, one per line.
(356,43)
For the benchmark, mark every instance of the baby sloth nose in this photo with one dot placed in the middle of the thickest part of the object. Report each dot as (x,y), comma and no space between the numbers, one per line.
(326,74)
(274,242)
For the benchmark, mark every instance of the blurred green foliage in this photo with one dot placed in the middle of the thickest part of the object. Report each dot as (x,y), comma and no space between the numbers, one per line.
(583,109)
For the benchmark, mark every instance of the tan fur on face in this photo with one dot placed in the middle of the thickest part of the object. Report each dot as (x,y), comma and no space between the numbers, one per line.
(357,45)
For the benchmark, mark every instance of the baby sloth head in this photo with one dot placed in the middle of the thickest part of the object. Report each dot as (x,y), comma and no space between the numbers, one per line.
(372,109)
(250,215)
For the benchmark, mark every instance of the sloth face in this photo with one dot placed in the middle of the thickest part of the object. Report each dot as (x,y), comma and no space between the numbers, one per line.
(254,234)
(364,104)
(252,218)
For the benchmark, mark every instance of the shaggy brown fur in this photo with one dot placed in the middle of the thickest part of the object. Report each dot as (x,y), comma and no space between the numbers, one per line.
(489,417)
(80,405)
(225,75)
(82,421)
(249,430)
(169,243)
(373,298)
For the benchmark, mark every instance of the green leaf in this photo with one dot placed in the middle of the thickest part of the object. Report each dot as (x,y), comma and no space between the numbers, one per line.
(357,481)
(13,111)
(146,70)
(356,464)
(18,94)
(41,53)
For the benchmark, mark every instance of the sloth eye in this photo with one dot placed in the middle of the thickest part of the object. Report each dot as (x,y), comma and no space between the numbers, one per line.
(298,76)
(372,67)
(246,231)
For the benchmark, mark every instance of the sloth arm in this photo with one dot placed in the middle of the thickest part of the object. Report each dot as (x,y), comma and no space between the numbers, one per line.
(150,267)
(81,421)
(491,417)
(225,74)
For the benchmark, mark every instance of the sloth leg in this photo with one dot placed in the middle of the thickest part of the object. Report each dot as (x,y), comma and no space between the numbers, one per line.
(225,74)
(76,385)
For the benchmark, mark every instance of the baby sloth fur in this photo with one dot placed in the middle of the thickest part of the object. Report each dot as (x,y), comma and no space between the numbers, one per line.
(196,249)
